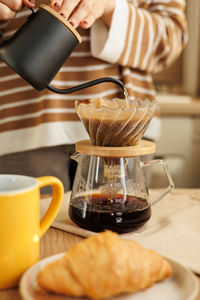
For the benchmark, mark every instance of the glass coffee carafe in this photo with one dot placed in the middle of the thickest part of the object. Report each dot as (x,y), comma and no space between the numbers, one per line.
(109,194)
(110,190)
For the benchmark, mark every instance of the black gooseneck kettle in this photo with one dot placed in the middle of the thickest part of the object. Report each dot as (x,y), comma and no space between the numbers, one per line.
(40,47)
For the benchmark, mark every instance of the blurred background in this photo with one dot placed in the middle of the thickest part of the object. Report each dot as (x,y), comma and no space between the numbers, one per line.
(178,90)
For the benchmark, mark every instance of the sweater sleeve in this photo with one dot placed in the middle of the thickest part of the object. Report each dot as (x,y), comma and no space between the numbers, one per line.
(144,34)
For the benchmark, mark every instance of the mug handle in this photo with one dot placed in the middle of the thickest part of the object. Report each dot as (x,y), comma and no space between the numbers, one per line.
(169,188)
(58,192)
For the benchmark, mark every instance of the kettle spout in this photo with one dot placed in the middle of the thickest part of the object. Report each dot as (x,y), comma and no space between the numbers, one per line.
(86,85)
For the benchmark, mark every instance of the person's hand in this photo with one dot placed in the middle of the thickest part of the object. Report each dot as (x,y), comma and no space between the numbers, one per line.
(9,8)
(83,13)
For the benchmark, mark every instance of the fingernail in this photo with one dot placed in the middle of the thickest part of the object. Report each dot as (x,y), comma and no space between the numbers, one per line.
(62,15)
(32,1)
(71,23)
(56,6)
(85,22)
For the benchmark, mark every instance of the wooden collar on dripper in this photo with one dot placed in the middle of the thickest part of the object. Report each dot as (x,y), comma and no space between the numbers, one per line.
(144,147)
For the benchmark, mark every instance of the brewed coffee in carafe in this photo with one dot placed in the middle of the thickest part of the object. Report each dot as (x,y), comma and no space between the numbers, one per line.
(105,197)
(107,193)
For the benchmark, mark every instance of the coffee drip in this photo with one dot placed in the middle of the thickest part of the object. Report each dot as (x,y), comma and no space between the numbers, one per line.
(107,193)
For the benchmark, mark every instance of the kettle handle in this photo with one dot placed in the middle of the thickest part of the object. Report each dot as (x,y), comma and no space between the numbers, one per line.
(169,188)
(3,37)
(30,16)
(85,85)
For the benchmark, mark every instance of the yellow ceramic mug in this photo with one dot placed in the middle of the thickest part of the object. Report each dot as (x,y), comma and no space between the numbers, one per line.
(20,225)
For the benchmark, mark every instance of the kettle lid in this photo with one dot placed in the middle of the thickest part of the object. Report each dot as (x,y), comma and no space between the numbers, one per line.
(63,20)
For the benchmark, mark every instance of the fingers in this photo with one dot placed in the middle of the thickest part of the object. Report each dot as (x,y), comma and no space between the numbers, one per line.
(14,5)
(56,4)
(68,7)
(75,11)
(6,13)
(29,3)
(80,13)
(101,9)
(88,21)
(8,8)
(95,12)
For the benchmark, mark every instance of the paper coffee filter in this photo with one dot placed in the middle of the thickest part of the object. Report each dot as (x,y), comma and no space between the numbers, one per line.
(115,123)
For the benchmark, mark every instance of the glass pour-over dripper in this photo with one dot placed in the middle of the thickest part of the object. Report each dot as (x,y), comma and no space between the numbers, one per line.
(115,123)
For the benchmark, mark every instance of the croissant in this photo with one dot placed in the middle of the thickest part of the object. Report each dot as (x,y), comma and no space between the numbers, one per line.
(103,266)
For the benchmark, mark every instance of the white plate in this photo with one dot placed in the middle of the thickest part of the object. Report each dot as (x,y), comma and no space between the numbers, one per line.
(182,285)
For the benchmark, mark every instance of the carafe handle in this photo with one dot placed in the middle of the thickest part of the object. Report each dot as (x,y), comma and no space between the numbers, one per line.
(75,156)
(169,188)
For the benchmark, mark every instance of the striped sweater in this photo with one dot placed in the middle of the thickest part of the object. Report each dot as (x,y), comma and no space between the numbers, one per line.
(145,36)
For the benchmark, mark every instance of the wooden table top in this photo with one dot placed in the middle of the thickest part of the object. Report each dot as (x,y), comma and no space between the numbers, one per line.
(54,241)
